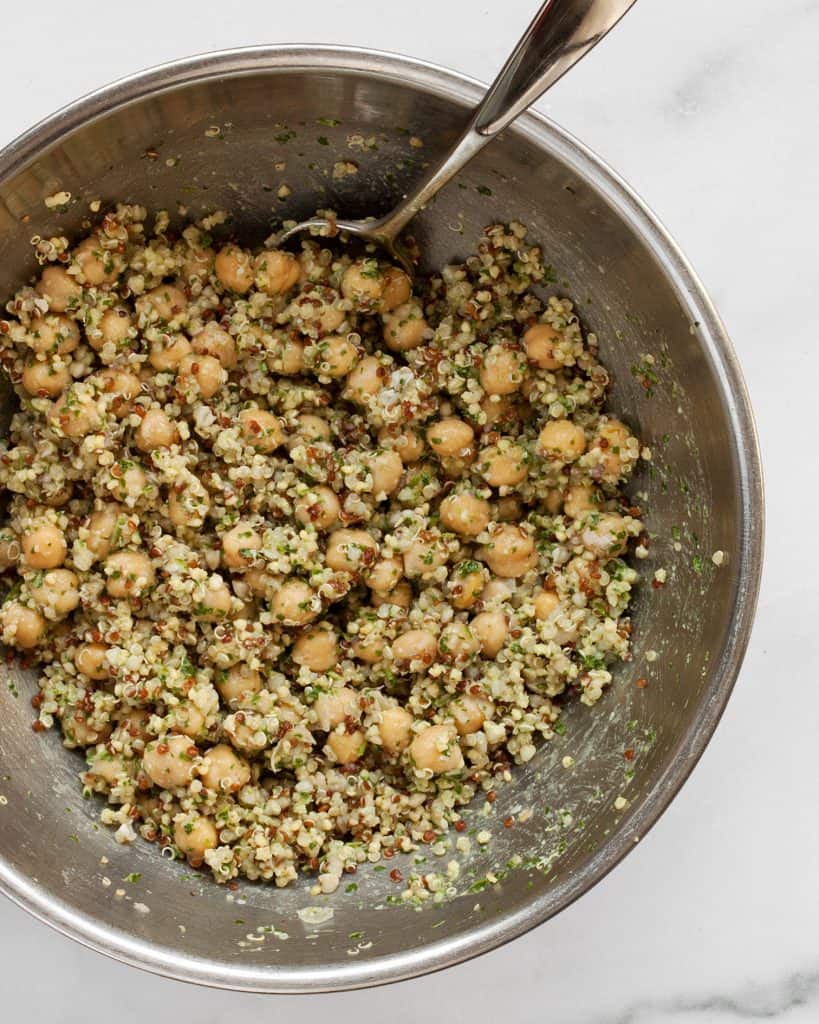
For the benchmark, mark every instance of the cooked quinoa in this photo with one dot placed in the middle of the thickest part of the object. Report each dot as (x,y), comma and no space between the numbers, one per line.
(308,553)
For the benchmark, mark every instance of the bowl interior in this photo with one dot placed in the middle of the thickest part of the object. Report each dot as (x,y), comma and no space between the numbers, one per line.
(279,134)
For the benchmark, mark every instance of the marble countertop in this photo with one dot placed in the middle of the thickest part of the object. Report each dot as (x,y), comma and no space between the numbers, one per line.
(708,109)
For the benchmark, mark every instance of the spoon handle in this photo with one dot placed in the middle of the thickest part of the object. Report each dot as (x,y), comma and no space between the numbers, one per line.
(562,32)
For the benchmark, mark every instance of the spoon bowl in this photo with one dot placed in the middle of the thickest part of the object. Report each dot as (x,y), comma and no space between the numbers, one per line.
(561,33)
(368,230)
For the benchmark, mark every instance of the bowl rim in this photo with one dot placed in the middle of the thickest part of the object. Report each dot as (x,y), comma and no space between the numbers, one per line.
(446,952)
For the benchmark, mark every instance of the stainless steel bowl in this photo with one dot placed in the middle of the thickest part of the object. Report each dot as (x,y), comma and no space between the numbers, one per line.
(229,129)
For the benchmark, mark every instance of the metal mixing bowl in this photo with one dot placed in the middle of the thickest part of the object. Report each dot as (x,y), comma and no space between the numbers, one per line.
(229,130)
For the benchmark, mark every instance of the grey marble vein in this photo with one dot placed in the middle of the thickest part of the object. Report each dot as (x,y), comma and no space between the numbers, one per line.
(721,69)
(756,1002)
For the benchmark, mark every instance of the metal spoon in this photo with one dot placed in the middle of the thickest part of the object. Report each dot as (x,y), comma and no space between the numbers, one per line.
(562,32)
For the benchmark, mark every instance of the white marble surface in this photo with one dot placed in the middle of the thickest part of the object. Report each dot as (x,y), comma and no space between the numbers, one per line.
(708,108)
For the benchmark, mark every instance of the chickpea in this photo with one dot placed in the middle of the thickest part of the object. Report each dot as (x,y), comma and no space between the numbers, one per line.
(450,436)
(337,356)
(10,549)
(330,319)
(193,835)
(60,289)
(100,526)
(396,289)
(294,603)
(198,264)
(290,358)
(168,763)
(316,649)
(234,269)
(75,416)
(114,328)
(319,507)
(400,595)
(214,600)
(58,593)
(259,582)
(504,466)
(334,706)
(562,441)
(539,342)
(128,574)
(123,385)
(78,731)
(347,747)
(215,341)
(499,409)
(207,371)
(612,437)
(370,649)
(424,555)
(508,509)
(385,574)
(97,265)
(90,660)
(579,499)
(223,770)
(130,484)
(350,551)
(309,429)
(366,379)
(436,749)
(53,334)
(56,498)
(240,546)
(545,604)
(606,536)
(498,590)
(387,469)
(44,547)
(163,303)
(457,642)
(407,442)
(132,725)
(108,768)
(23,626)
(188,720)
(261,429)
(186,508)
(414,647)
(491,629)
(395,729)
(464,514)
(511,552)
(363,283)
(405,327)
(166,355)
(238,683)
(502,370)
(276,272)
(45,380)
(466,585)
(155,431)
(469,713)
